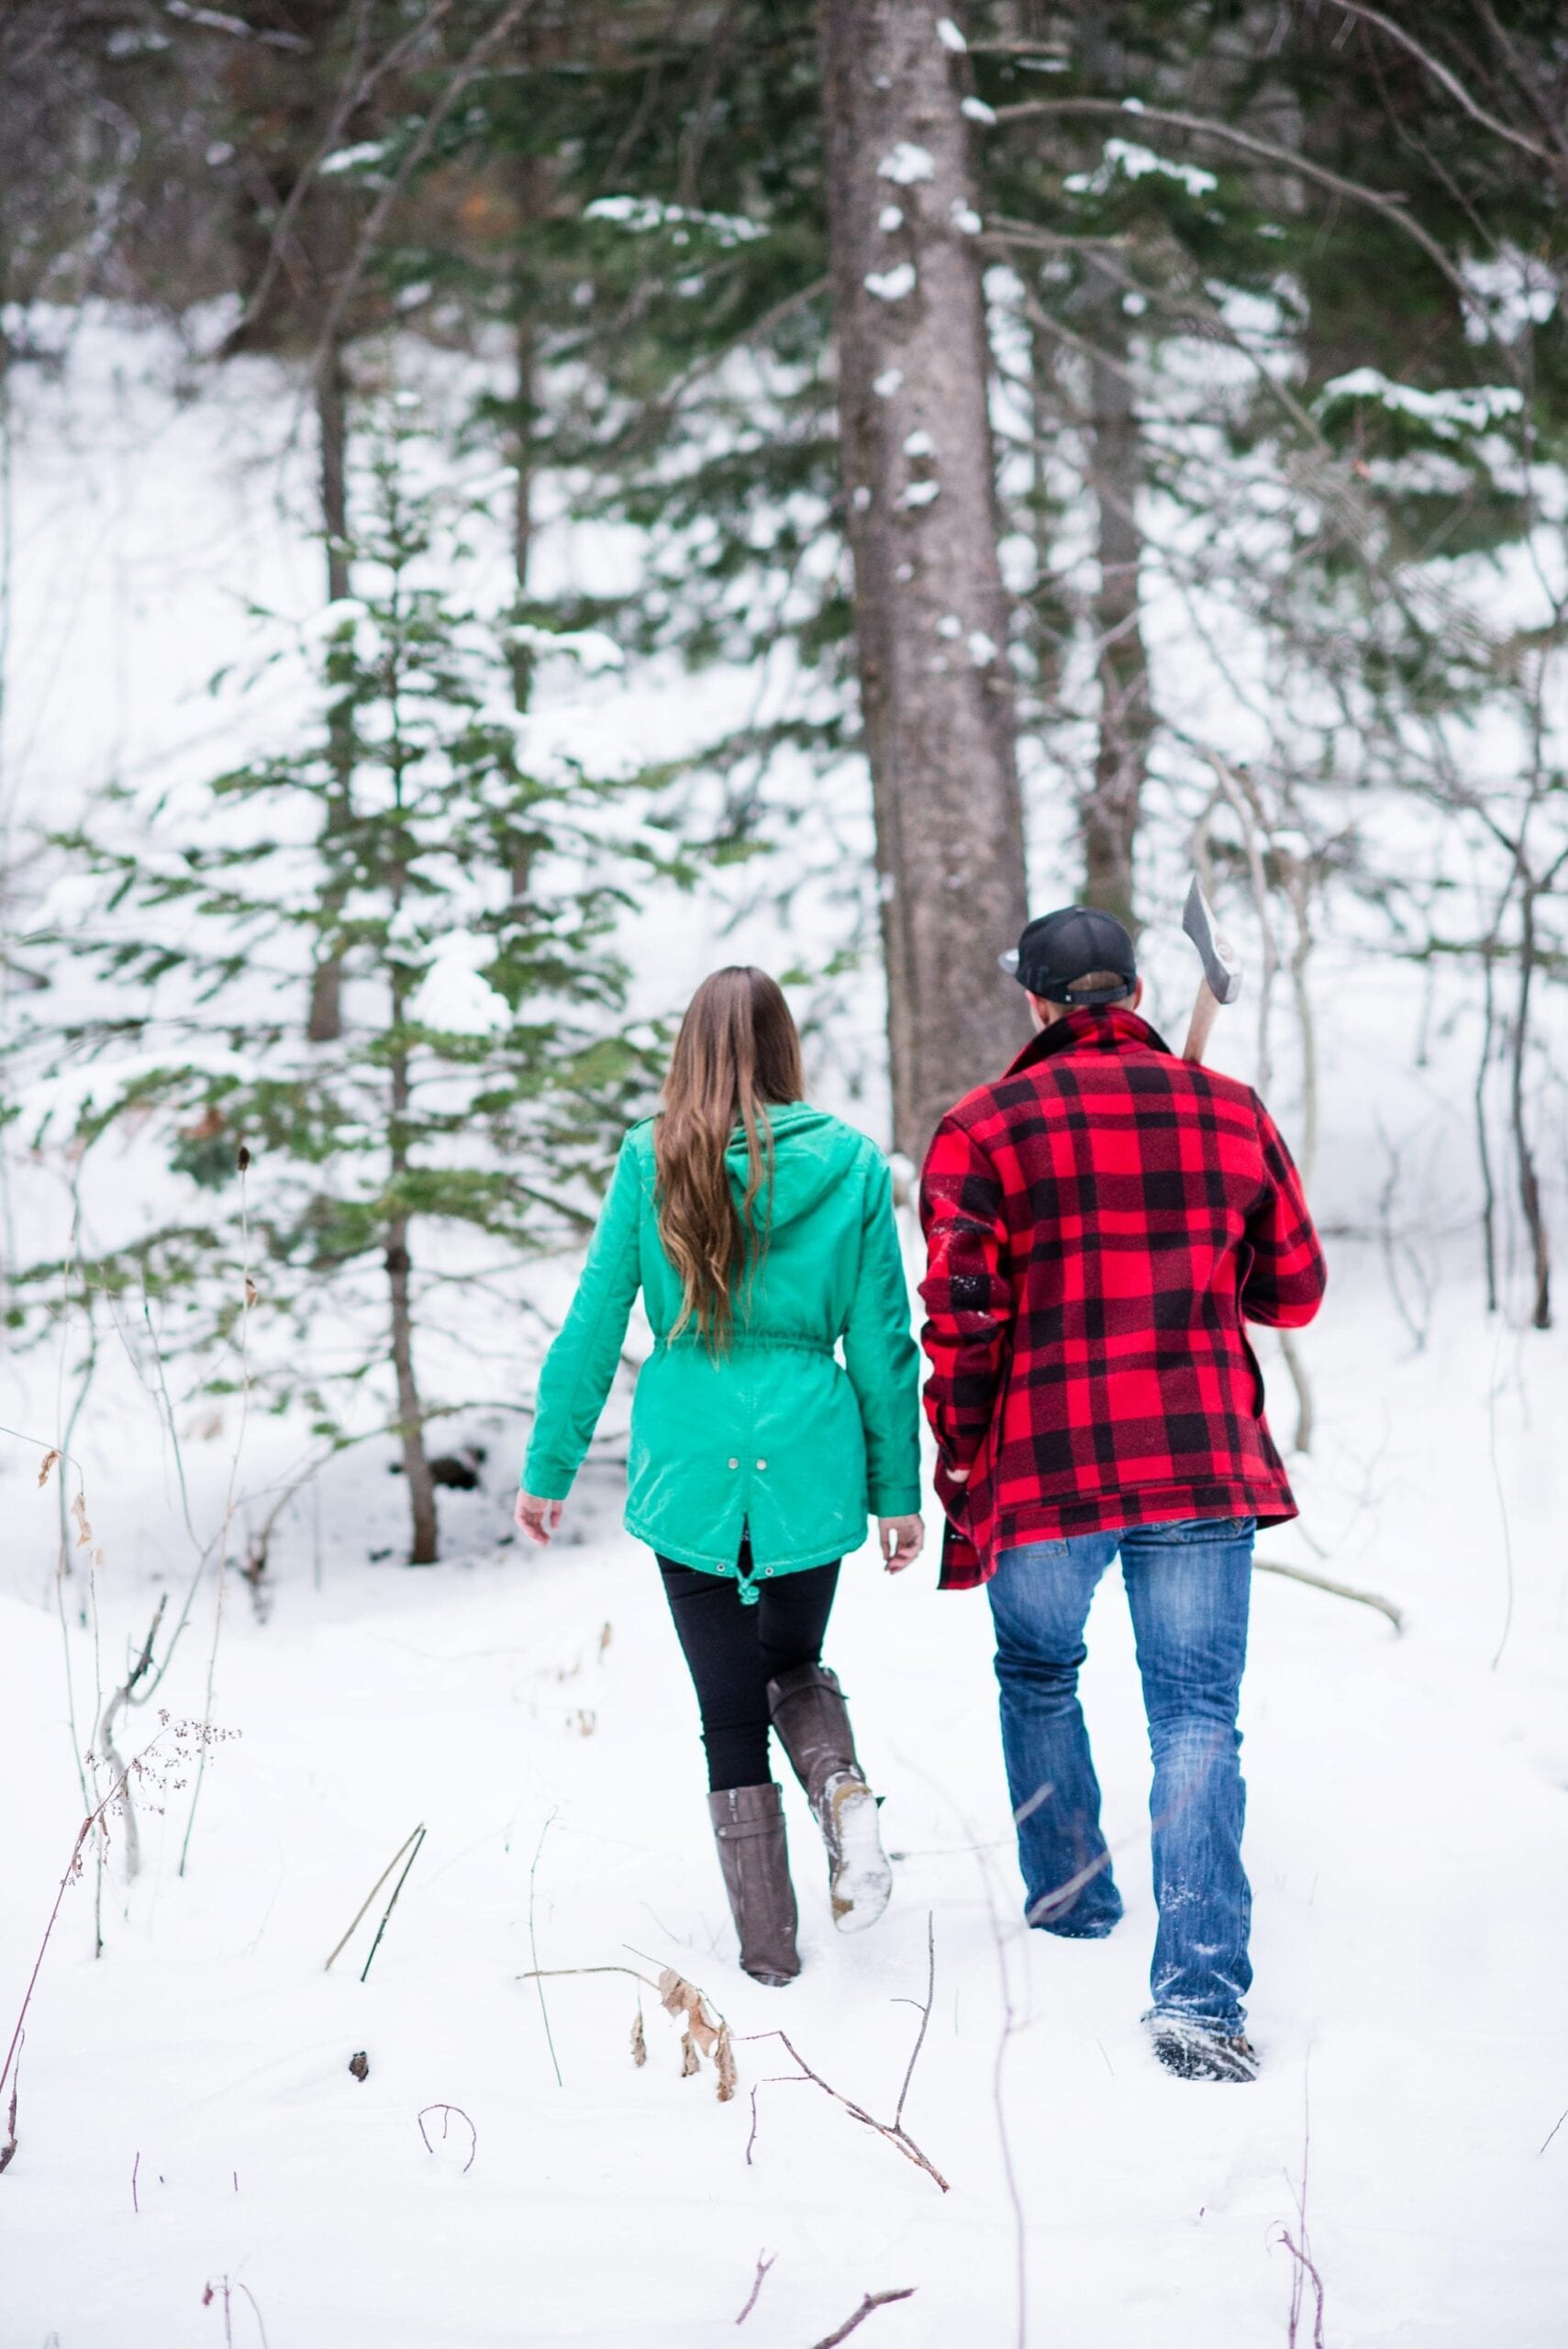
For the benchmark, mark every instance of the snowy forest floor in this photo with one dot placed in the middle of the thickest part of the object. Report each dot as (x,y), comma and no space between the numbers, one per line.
(187,2116)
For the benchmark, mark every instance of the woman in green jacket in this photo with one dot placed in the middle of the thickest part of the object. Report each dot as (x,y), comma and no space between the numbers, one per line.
(761,1233)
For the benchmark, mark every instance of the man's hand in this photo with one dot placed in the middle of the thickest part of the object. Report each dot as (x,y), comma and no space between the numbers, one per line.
(539,1520)
(901,1540)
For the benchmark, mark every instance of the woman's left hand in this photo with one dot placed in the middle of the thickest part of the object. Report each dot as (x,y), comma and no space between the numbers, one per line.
(538,1519)
(901,1540)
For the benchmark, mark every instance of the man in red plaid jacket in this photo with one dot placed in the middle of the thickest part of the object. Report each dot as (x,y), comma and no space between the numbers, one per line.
(1101,1222)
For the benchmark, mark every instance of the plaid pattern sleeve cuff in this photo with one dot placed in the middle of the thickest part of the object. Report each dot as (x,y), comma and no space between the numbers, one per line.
(967,1295)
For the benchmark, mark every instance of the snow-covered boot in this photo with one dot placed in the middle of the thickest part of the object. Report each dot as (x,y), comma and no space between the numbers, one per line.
(1192,2053)
(810,1716)
(749,1827)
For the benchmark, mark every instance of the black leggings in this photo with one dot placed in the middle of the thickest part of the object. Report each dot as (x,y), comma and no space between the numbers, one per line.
(732,1651)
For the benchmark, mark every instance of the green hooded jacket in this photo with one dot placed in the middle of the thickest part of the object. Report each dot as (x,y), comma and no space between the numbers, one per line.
(775,1436)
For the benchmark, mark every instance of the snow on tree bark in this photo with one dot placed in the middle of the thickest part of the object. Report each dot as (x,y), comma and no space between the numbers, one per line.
(930,609)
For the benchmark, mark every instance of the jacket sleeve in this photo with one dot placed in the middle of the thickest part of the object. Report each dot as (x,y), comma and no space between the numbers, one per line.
(882,1359)
(1286,1279)
(581,1364)
(967,1292)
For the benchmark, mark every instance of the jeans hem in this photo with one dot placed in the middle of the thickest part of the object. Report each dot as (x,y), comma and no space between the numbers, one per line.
(1231,2026)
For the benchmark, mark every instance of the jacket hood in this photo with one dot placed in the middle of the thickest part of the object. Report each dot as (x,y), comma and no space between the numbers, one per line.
(811,1153)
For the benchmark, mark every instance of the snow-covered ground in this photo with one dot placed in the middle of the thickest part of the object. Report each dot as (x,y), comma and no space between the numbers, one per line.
(186,2115)
(187,2112)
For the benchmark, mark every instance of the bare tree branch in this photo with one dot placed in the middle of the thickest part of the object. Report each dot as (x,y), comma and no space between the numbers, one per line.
(1450,81)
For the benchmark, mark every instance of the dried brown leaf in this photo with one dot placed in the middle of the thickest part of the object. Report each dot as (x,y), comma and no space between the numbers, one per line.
(690,2060)
(684,1998)
(252,1294)
(83,1530)
(724,2064)
(639,2043)
(48,1460)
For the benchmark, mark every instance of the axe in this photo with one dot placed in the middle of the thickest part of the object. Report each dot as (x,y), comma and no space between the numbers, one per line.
(1221,969)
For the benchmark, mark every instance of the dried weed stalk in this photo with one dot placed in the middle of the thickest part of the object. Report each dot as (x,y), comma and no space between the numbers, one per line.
(411,1844)
(1303,2269)
(7,2150)
(893,2130)
(764,2261)
(90,1826)
(705,2033)
(223,2292)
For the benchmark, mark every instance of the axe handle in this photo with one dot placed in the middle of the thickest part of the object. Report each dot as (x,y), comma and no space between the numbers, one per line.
(1203,1010)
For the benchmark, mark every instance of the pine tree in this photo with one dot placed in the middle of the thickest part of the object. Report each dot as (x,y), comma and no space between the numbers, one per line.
(484,1064)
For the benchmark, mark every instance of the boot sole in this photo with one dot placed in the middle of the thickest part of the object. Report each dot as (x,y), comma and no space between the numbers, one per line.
(862,1881)
(1195,2054)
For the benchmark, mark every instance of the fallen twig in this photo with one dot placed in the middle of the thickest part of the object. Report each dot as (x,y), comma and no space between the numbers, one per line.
(446,2111)
(764,2261)
(873,2301)
(893,2130)
(1335,1589)
(1549,2134)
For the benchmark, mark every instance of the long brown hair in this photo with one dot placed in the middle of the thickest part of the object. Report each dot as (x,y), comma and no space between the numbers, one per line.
(739,1050)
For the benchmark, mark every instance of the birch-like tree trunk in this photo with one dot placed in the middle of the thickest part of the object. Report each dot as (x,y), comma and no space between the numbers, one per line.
(930,609)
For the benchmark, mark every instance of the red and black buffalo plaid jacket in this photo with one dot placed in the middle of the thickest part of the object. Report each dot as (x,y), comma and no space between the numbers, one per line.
(1099,1223)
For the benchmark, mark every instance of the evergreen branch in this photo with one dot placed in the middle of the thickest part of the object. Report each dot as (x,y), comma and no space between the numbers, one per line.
(1389,208)
(351,98)
(420,146)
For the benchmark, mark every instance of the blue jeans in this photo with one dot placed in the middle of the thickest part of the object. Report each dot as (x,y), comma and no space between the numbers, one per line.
(1187,1587)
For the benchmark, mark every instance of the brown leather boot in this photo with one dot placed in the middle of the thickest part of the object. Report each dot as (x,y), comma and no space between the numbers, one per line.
(749,1826)
(813,1721)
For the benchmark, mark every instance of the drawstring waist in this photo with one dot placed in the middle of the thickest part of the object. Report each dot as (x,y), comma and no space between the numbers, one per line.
(746,1342)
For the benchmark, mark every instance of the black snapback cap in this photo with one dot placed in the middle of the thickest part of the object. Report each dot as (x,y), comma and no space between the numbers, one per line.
(1058,950)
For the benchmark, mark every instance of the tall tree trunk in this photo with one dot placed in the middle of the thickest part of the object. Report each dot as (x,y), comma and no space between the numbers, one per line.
(1529,1181)
(525,345)
(930,610)
(423,1549)
(1111,808)
(324,1023)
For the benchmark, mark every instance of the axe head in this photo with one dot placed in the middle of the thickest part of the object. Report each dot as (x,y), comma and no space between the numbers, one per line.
(1221,967)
